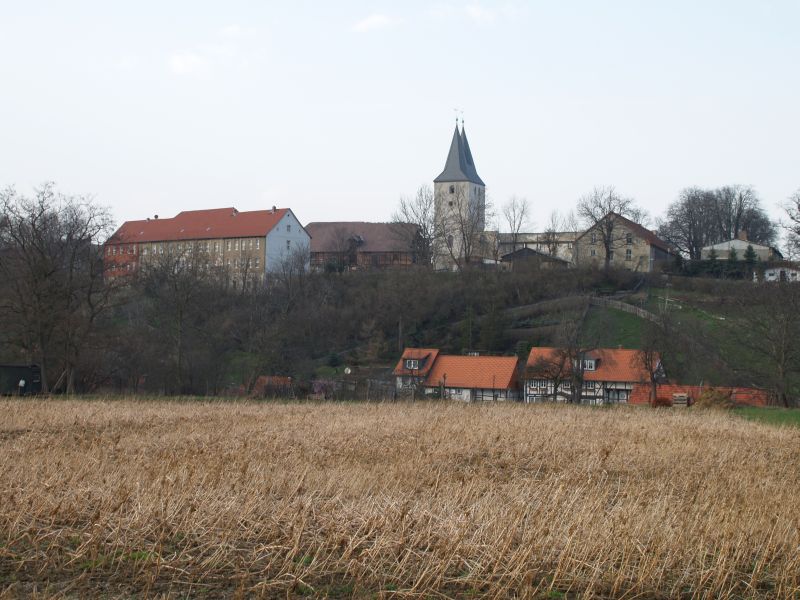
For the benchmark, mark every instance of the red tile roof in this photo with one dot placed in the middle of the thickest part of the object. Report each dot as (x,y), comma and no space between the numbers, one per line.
(425,356)
(746,396)
(200,224)
(613,364)
(474,372)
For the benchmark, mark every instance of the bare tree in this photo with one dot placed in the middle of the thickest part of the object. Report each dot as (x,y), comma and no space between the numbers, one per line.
(738,209)
(459,227)
(52,269)
(691,222)
(792,225)
(655,341)
(601,211)
(573,347)
(770,324)
(516,215)
(557,226)
(555,369)
(421,212)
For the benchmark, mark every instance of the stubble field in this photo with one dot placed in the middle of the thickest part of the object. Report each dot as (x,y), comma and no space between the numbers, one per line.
(169,499)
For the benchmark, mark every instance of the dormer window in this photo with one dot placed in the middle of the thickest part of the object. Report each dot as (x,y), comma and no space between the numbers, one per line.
(412,364)
(588,364)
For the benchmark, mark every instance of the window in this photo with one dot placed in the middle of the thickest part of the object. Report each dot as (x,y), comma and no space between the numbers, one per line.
(235,244)
(412,364)
(594,238)
(588,385)
(161,249)
(629,239)
(288,228)
(255,263)
(288,244)
(115,250)
(589,364)
(228,245)
(452,189)
(610,255)
(593,252)
(628,254)
(258,244)
(144,251)
(450,203)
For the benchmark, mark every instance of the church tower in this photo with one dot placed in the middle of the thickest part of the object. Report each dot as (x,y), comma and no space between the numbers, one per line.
(460,202)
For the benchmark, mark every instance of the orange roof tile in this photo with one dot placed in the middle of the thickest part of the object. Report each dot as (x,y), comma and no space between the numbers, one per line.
(474,372)
(425,356)
(613,364)
(200,224)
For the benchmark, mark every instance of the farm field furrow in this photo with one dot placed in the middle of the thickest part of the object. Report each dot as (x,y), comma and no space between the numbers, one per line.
(176,499)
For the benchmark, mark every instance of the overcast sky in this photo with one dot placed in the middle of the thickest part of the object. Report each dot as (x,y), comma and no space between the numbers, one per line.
(336,109)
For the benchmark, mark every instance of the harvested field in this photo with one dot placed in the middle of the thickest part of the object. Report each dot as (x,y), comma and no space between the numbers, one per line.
(172,499)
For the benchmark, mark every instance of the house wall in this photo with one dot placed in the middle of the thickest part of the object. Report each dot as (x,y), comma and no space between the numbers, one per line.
(634,256)
(476,394)
(563,241)
(781,274)
(594,392)
(286,237)
(723,250)
(364,260)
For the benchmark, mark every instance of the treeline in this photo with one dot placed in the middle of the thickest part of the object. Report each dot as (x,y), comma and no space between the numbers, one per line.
(180,327)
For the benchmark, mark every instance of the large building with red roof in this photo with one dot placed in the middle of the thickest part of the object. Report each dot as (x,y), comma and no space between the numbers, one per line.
(245,245)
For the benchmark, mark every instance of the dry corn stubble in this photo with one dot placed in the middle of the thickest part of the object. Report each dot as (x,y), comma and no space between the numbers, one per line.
(125,498)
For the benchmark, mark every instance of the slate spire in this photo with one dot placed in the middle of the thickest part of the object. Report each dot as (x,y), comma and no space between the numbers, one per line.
(475,178)
(459,165)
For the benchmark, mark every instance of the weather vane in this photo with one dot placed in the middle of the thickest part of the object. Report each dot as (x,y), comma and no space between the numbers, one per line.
(458,112)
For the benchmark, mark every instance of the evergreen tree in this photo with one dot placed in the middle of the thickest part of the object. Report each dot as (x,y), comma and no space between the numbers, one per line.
(750,256)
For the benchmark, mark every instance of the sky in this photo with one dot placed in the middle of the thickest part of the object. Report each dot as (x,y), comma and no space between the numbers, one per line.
(337,109)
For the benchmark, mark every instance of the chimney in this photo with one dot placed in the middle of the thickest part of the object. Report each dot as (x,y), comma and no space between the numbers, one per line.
(273,210)
(155,217)
(742,235)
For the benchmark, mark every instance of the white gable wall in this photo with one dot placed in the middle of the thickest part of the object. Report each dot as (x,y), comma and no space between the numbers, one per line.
(286,237)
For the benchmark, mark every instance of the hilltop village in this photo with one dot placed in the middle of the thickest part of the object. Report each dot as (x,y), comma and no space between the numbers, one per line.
(451,297)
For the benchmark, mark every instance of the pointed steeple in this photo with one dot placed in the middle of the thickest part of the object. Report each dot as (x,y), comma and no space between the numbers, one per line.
(475,178)
(457,167)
